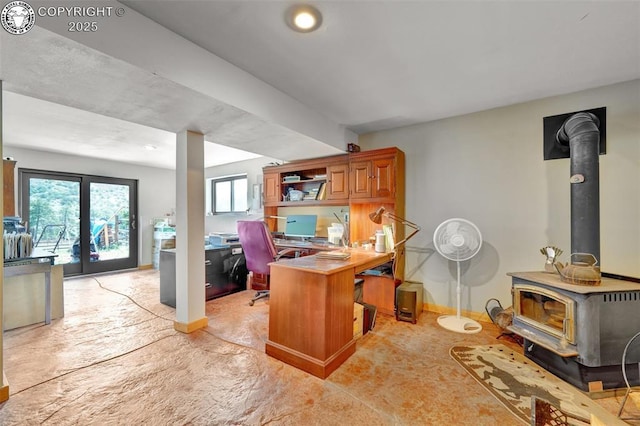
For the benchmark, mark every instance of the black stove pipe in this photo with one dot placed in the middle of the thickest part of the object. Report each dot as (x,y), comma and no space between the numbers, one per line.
(582,134)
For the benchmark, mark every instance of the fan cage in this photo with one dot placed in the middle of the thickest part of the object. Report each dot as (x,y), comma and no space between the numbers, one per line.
(444,233)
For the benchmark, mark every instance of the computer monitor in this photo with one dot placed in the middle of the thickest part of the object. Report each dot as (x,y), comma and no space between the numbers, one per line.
(301,225)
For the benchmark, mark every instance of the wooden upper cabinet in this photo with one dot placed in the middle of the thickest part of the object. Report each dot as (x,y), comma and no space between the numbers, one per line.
(338,182)
(384,180)
(373,178)
(271,188)
(323,181)
(9,206)
(360,179)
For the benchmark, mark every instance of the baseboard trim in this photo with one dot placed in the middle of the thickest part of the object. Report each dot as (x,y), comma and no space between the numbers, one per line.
(4,389)
(147,266)
(447,310)
(318,367)
(192,326)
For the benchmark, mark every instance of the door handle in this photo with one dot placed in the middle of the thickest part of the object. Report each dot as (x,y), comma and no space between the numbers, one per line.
(133,221)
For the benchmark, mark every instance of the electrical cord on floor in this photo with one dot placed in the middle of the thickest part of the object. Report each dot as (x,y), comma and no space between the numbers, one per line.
(92,365)
(132,300)
(168,319)
(113,357)
(128,352)
(228,341)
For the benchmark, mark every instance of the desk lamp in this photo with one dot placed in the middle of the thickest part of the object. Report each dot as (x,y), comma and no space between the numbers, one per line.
(376,217)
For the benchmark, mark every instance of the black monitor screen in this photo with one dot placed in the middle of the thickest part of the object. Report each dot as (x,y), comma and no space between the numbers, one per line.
(302,225)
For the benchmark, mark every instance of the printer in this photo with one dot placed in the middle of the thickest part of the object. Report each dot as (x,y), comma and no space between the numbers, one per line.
(219,239)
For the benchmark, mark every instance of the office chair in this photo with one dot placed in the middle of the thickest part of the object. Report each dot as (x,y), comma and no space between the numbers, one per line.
(259,250)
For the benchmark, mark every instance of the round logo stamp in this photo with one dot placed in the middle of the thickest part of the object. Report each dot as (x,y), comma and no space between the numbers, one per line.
(17,17)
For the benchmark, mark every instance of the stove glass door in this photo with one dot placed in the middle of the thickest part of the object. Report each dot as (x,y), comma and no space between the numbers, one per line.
(546,310)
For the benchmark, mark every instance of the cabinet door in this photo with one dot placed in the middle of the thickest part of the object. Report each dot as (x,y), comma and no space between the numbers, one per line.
(380,292)
(360,179)
(271,188)
(383,185)
(338,182)
(8,187)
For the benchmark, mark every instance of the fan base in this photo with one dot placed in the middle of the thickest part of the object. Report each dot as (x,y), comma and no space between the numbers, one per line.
(459,324)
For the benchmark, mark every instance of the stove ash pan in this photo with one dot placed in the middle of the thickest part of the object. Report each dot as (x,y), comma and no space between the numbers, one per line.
(594,327)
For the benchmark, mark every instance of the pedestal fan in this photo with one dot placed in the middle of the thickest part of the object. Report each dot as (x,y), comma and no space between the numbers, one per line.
(458,240)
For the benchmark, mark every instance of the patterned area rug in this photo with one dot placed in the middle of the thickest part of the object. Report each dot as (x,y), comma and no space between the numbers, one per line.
(513,380)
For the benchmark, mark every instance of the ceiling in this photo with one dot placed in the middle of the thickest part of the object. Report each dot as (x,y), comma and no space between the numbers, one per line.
(372,65)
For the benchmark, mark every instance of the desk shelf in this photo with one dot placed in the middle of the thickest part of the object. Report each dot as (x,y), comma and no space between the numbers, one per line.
(290,182)
(306,203)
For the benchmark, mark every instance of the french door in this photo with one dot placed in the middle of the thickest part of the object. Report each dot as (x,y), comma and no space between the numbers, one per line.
(89,222)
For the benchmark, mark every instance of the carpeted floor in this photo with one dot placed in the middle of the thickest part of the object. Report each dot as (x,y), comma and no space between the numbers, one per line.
(115,359)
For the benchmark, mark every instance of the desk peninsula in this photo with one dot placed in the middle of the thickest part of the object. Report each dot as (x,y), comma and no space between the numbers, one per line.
(311,309)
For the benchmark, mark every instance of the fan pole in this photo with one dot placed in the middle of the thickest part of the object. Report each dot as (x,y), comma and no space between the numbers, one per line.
(458,293)
(457,322)
(458,240)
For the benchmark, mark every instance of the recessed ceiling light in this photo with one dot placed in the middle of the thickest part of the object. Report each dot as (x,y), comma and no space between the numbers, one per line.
(150,147)
(303,18)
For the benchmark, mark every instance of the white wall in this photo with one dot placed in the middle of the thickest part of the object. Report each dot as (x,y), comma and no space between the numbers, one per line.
(488,167)
(227,222)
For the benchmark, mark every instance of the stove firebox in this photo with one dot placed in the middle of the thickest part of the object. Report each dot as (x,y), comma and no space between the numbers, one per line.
(578,332)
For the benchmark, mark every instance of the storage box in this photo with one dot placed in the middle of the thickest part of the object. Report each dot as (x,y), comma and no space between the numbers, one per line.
(164,233)
(358,310)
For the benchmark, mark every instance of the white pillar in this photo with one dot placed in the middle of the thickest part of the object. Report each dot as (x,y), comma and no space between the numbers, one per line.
(4,385)
(190,272)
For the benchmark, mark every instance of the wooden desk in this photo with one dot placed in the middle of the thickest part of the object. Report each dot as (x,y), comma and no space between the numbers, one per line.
(311,310)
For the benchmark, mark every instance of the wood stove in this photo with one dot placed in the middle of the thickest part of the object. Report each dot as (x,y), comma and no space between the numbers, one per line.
(578,332)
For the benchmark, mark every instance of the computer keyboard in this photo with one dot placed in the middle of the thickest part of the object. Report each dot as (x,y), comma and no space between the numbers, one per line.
(294,243)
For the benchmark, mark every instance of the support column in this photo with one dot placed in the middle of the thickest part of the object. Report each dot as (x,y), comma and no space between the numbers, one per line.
(4,385)
(190,271)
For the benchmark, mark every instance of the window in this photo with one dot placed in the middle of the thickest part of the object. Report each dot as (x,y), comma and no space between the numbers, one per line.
(229,194)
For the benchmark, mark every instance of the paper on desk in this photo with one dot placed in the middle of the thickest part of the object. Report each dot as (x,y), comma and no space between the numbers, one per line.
(335,255)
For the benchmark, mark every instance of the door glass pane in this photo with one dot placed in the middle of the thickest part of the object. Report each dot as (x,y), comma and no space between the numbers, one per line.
(109,213)
(54,217)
